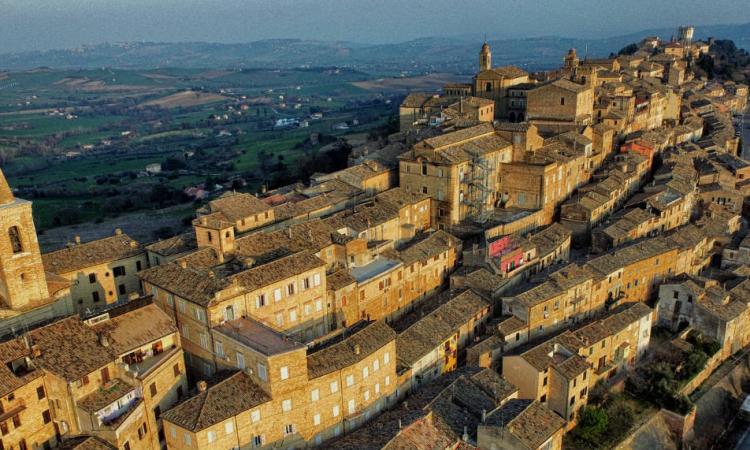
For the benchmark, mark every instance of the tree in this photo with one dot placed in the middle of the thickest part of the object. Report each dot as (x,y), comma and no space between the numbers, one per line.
(592,424)
(628,49)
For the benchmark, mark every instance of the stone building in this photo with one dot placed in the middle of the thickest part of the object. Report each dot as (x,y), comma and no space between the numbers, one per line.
(101,272)
(290,396)
(560,372)
(494,82)
(560,105)
(28,293)
(458,170)
(109,377)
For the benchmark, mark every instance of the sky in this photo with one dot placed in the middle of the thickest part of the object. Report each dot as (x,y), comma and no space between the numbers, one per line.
(47,24)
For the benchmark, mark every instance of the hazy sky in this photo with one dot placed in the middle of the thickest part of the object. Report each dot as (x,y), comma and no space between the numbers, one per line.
(44,24)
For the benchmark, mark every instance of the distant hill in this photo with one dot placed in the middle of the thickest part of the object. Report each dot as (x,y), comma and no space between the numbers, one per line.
(433,54)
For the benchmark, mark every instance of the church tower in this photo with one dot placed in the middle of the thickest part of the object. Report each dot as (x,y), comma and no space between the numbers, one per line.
(571,60)
(485,57)
(23,283)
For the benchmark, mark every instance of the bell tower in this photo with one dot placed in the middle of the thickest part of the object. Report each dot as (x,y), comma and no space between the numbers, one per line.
(22,280)
(485,57)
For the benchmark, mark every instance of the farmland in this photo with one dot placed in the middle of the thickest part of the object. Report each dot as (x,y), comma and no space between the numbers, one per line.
(78,142)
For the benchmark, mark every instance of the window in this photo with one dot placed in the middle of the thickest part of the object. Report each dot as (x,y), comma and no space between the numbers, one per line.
(170,300)
(350,380)
(352,406)
(188,440)
(152,389)
(290,288)
(377,388)
(284,372)
(365,372)
(318,305)
(185,331)
(262,372)
(181,305)
(211,437)
(386,358)
(121,289)
(16,421)
(316,279)
(376,365)
(335,412)
(293,315)
(95,296)
(200,315)
(315,395)
(424,189)
(305,283)
(15,239)
(387,380)
(105,375)
(367,395)
(260,300)
(257,441)
(334,386)
(204,341)
(562,101)
(240,361)
(46,416)
(173,432)
(255,416)
(40,394)
(286,405)
(316,419)
(288,429)
(229,427)
(279,319)
(424,168)
(119,271)
(277,294)
(138,266)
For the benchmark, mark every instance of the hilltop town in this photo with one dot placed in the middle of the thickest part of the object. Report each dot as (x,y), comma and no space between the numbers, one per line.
(533,261)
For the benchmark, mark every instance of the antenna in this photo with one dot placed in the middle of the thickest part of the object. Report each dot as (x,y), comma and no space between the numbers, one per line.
(586,52)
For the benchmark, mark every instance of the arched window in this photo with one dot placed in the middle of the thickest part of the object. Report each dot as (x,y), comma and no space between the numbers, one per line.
(488,87)
(15,239)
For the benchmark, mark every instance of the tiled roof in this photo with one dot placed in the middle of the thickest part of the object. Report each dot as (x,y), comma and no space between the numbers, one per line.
(433,245)
(105,395)
(438,326)
(278,270)
(400,197)
(535,425)
(92,253)
(196,285)
(339,279)
(175,245)
(85,443)
(229,397)
(136,328)
(10,351)
(342,354)
(237,206)
(70,349)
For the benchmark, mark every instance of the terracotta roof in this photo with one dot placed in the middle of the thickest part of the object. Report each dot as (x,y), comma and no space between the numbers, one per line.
(535,424)
(343,354)
(400,197)
(438,326)
(339,279)
(136,328)
(85,443)
(105,395)
(6,195)
(10,351)
(508,72)
(433,245)
(230,397)
(196,285)
(278,270)
(237,206)
(70,349)
(312,235)
(175,245)
(92,253)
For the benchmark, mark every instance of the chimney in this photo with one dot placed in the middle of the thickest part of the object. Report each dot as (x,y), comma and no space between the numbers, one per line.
(36,351)
(103,340)
(133,244)
(357,349)
(211,274)
(78,239)
(465,437)
(118,231)
(27,342)
(204,220)
(183,264)
(399,424)
(202,386)
(289,232)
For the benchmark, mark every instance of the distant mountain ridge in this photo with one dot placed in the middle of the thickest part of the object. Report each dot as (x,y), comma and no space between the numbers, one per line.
(430,54)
